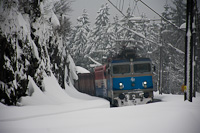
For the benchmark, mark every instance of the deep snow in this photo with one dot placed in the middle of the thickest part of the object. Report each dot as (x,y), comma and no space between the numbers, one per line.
(80,69)
(56,111)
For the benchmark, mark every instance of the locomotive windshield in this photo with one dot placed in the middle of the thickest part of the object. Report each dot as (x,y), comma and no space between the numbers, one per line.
(121,69)
(141,68)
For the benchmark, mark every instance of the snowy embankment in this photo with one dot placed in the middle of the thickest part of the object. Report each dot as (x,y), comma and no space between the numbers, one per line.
(56,110)
(54,100)
(170,114)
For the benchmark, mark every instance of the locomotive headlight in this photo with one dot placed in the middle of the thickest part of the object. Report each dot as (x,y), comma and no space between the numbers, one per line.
(121,86)
(144,84)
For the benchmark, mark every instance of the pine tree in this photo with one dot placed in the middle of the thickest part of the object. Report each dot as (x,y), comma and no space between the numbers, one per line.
(126,34)
(166,14)
(114,37)
(99,37)
(18,46)
(178,13)
(173,39)
(132,33)
(28,31)
(79,39)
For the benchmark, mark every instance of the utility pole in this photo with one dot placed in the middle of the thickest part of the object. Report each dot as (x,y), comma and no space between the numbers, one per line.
(189,49)
(161,63)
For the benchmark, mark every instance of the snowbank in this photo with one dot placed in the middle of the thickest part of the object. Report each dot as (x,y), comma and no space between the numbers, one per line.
(170,114)
(36,96)
(2,105)
(55,92)
(53,100)
(54,95)
(81,70)
(76,94)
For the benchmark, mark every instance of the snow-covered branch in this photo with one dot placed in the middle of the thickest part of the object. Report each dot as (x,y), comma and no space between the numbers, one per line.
(97,63)
(178,50)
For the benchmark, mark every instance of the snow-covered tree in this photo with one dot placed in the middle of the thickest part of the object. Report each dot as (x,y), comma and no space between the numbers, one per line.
(28,31)
(62,9)
(173,46)
(125,34)
(178,13)
(21,56)
(114,37)
(98,39)
(132,32)
(79,39)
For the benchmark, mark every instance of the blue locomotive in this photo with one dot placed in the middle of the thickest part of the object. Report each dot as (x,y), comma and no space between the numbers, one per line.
(125,81)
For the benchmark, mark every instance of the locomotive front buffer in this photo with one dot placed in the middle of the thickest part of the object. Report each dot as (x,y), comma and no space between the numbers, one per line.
(131,98)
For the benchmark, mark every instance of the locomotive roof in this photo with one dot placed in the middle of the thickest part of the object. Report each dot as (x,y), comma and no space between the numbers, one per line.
(142,59)
(134,60)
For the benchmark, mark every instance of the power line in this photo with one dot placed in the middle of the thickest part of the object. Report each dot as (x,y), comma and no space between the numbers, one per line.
(116,8)
(151,10)
(131,22)
(160,15)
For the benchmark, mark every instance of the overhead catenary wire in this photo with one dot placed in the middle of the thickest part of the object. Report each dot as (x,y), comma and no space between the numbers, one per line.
(160,15)
(116,8)
(136,32)
(151,10)
(130,21)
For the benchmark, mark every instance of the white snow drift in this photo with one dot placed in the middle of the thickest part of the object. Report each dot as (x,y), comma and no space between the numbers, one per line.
(55,111)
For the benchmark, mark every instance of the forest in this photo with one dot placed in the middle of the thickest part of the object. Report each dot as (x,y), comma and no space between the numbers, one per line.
(37,39)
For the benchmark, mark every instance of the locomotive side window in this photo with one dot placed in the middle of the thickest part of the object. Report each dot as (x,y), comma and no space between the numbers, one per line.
(141,68)
(121,69)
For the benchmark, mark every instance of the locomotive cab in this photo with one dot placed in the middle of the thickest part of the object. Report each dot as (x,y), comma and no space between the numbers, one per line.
(132,82)
(125,82)
(125,79)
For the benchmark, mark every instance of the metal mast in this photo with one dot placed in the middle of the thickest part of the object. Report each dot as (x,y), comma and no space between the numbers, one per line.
(189,49)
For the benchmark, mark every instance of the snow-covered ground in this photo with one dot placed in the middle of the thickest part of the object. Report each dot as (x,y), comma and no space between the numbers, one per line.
(59,112)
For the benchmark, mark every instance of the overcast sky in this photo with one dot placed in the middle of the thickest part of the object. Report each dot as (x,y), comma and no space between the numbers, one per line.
(92,6)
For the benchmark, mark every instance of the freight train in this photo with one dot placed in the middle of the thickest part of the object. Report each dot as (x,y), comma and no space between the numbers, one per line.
(125,80)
